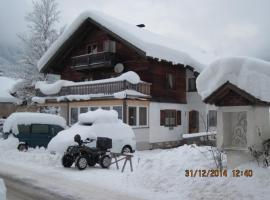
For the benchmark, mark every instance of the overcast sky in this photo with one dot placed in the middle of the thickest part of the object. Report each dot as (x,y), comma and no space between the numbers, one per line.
(220,27)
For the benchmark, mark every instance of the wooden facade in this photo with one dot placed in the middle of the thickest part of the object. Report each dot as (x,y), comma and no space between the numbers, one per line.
(74,62)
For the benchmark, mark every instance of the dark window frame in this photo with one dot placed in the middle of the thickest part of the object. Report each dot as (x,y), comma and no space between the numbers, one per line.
(212,118)
(192,87)
(168,86)
(170,118)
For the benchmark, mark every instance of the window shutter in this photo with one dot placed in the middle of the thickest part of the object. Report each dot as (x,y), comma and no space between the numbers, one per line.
(162,117)
(178,117)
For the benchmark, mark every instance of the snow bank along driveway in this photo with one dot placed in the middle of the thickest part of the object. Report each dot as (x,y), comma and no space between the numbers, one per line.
(158,174)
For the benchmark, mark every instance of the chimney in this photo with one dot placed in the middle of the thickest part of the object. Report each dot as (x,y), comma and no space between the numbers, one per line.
(141,25)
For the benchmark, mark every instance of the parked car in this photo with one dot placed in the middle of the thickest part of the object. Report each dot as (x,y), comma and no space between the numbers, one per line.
(93,124)
(33,129)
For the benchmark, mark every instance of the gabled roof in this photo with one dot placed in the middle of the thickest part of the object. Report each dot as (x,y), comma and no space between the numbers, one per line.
(146,42)
(229,94)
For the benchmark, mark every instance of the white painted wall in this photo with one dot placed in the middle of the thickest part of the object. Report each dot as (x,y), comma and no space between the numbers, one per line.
(194,102)
(257,121)
(161,133)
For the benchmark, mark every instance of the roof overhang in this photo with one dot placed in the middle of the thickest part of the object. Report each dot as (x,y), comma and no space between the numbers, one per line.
(221,93)
(68,44)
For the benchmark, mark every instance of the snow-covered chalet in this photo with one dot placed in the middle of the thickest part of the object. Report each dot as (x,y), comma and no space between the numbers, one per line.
(106,63)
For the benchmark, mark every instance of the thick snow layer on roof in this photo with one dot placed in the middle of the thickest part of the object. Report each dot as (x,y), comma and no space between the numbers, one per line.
(249,74)
(54,88)
(98,123)
(6,88)
(153,45)
(12,122)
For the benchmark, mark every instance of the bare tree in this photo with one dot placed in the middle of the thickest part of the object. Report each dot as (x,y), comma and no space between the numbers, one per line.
(42,22)
(42,30)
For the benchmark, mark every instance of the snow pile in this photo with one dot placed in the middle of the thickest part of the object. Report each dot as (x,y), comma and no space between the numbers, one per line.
(2,190)
(54,88)
(10,143)
(7,85)
(201,134)
(93,124)
(249,74)
(12,122)
(51,88)
(99,116)
(129,93)
(164,170)
(153,45)
(65,138)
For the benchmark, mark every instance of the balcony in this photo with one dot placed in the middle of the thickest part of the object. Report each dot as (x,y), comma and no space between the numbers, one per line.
(105,89)
(93,60)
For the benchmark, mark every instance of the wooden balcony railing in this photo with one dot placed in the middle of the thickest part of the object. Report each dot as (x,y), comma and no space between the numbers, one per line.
(93,60)
(100,88)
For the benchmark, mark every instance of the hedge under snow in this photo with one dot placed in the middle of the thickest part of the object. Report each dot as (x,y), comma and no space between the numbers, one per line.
(249,74)
(26,118)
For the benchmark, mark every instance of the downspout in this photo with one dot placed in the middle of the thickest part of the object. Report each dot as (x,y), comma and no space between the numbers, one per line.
(125,110)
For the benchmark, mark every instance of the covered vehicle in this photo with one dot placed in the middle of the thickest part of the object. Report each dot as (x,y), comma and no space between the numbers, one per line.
(33,129)
(93,124)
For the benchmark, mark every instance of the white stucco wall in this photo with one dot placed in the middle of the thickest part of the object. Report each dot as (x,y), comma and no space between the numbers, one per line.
(195,102)
(257,121)
(161,133)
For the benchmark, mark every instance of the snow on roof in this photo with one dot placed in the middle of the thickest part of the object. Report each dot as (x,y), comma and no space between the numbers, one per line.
(54,88)
(6,88)
(118,95)
(249,74)
(12,122)
(152,44)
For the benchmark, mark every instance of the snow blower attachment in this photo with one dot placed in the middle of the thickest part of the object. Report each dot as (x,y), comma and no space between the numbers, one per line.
(83,155)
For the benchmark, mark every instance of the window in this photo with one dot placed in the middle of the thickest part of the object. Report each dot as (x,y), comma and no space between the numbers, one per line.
(170,81)
(93,108)
(106,107)
(56,129)
(119,110)
(40,129)
(170,118)
(192,85)
(83,109)
(212,118)
(92,48)
(73,115)
(109,46)
(24,129)
(142,116)
(132,116)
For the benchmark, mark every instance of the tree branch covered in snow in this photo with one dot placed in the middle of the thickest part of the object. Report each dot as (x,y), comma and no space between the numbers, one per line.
(42,33)
(41,24)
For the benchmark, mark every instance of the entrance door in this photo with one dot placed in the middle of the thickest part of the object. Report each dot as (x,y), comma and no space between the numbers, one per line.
(193,121)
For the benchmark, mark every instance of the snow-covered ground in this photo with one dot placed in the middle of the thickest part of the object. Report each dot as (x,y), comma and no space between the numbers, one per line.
(158,174)
(2,190)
